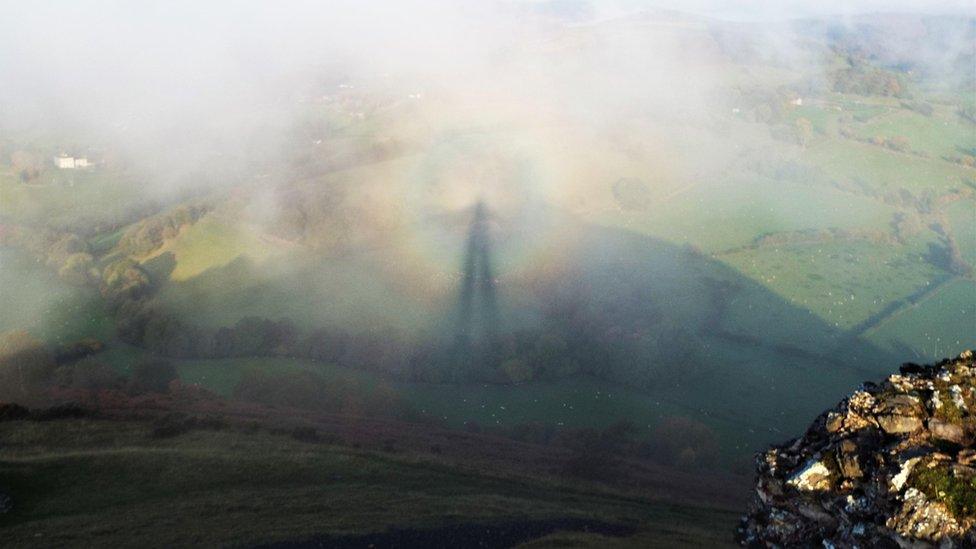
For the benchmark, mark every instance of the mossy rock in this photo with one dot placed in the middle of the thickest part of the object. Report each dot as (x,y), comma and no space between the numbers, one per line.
(940,484)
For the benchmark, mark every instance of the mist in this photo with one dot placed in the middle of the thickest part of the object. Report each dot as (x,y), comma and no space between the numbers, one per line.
(552,115)
(431,273)
(651,234)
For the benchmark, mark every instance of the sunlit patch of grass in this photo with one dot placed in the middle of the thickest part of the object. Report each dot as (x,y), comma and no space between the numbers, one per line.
(311,292)
(849,160)
(938,483)
(213,242)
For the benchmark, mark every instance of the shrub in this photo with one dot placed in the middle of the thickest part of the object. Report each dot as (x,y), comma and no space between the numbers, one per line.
(595,454)
(682,442)
(78,269)
(298,389)
(78,350)
(10,411)
(152,232)
(310,391)
(167,335)
(68,410)
(88,375)
(124,279)
(803,129)
(152,376)
(179,390)
(66,246)
(175,424)
(862,79)
(254,336)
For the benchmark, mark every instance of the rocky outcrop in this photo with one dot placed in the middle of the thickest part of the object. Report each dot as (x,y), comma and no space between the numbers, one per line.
(893,465)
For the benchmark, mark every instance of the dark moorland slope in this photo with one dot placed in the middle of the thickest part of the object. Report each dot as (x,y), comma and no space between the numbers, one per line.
(171,472)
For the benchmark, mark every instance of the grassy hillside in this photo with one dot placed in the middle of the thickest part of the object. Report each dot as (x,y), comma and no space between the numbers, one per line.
(755,264)
(84,482)
(212,243)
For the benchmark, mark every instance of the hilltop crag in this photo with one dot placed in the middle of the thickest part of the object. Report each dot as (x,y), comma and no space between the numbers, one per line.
(893,465)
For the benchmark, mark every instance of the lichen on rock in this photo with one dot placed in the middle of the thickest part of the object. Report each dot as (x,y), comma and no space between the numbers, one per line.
(891,465)
(813,477)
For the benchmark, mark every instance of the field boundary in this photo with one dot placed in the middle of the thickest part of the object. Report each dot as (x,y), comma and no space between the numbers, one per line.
(897,308)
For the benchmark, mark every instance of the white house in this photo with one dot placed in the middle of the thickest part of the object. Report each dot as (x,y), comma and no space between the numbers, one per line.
(66,162)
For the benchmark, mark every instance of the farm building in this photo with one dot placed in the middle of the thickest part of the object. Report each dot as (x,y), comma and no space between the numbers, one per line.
(66,162)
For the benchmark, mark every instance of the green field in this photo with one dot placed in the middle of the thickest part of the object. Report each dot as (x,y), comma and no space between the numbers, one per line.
(962,219)
(568,403)
(843,283)
(827,115)
(883,169)
(69,197)
(738,211)
(223,375)
(755,312)
(575,402)
(571,402)
(943,324)
(937,136)
(588,402)
(212,243)
(824,119)
(312,293)
(862,108)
